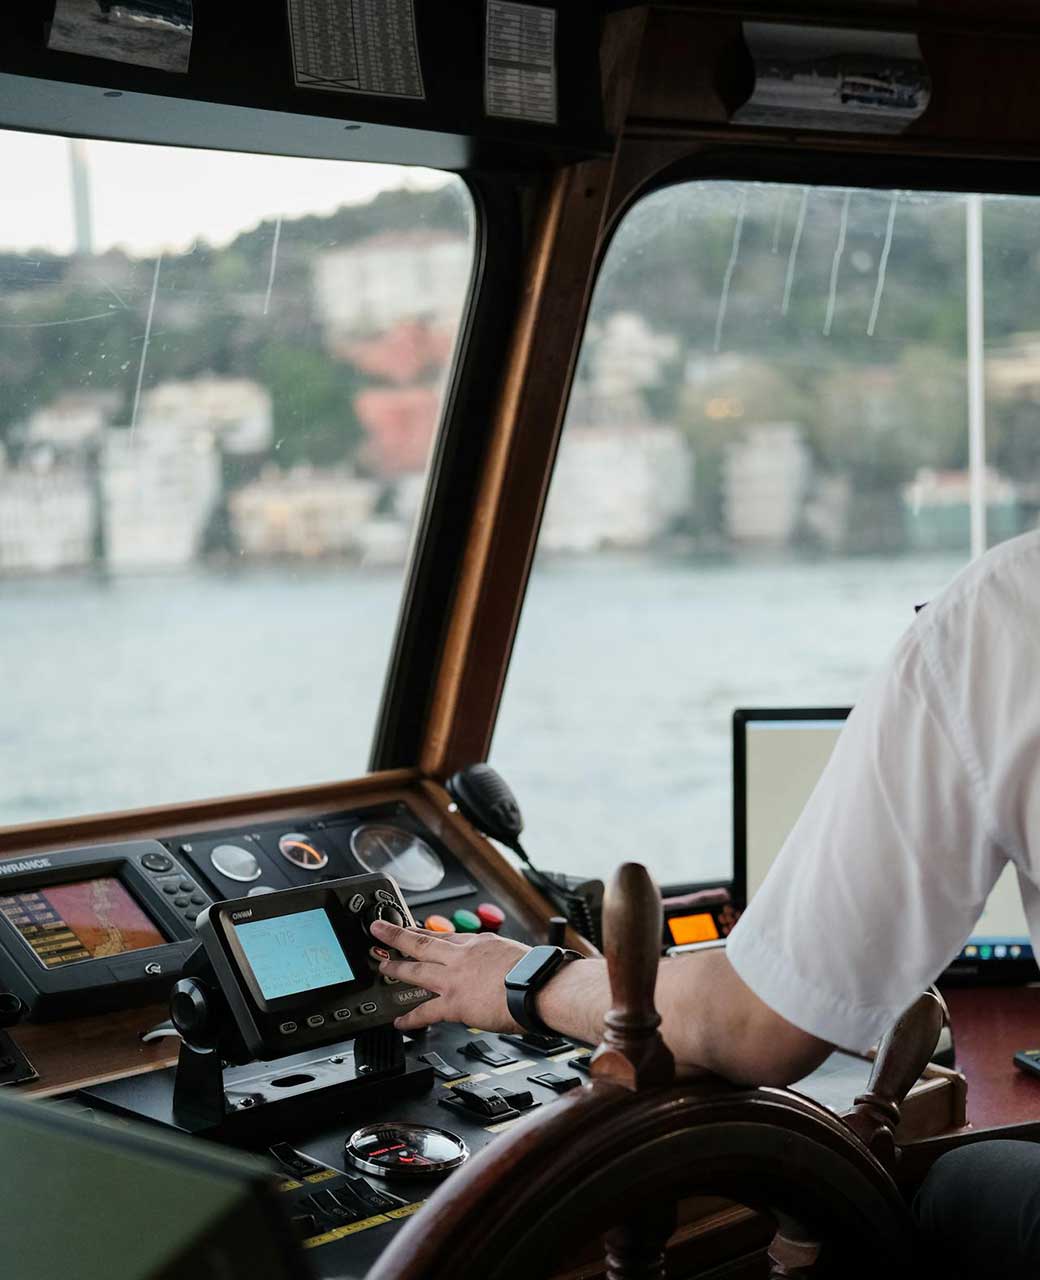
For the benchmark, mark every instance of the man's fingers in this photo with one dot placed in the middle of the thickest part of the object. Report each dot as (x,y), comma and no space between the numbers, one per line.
(419,975)
(411,942)
(423,1015)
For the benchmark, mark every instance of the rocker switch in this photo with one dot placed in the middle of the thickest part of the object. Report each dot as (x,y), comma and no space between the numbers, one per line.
(481,1051)
(441,1069)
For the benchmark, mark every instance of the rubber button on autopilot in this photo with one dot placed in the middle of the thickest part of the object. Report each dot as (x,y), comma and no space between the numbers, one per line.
(491,917)
(287,1028)
(369,1006)
(465,921)
(438,924)
(316,1020)
(157,862)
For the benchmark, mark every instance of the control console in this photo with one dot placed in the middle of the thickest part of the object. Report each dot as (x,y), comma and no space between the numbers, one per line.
(300,968)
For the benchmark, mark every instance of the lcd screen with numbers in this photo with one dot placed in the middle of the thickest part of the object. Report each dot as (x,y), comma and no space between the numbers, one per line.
(294,953)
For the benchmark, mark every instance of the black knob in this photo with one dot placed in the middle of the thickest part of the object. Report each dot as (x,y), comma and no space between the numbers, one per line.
(557,931)
(388,911)
(11,1009)
(190,1012)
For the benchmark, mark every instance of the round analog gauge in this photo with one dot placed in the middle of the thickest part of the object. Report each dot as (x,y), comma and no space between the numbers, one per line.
(302,851)
(405,1150)
(391,851)
(236,863)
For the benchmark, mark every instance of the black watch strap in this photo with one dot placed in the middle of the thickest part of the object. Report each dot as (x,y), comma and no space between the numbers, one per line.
(522,992)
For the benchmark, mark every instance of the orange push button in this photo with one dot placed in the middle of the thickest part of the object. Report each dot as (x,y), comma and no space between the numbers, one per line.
(438,924)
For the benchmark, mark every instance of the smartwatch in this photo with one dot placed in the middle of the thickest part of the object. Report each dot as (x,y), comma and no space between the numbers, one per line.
(526,979)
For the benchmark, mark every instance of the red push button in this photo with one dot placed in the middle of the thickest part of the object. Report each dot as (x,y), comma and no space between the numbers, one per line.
(438,924)
(491,917)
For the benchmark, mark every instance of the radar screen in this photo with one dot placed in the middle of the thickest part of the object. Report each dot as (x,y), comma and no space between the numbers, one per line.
(84,920)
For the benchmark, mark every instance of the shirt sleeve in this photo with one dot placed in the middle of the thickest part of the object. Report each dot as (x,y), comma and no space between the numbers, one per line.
(885,872)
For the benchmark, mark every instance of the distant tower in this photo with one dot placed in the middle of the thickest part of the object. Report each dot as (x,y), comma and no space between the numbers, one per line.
(81,211)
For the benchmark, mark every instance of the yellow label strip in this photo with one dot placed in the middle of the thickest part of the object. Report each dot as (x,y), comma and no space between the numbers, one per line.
(473,1079)
(566,1055)
(350,1229)
(323,1175)
(406,1210)
(522,1065)
(502,1125)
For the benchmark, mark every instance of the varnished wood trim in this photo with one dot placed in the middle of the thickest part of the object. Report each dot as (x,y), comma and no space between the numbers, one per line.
(181,818)
(82,1052)
(525,437)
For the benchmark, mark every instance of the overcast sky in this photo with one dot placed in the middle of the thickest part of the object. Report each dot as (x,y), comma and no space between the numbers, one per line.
(151,198)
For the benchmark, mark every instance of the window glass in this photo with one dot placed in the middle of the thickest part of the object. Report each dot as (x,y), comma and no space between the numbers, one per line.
(219,380)
(767,462)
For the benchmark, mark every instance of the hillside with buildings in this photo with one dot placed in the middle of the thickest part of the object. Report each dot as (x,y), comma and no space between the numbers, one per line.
(276,398)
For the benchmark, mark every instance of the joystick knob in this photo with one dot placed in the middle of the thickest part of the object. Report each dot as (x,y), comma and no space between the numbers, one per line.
(190,1012)
(388,911)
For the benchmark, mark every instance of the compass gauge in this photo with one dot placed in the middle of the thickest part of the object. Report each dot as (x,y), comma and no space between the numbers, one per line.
(392,851)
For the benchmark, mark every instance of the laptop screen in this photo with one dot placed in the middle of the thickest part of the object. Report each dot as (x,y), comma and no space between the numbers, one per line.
(778,756)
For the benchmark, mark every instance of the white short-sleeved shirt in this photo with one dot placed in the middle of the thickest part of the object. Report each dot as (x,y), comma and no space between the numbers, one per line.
(933,786)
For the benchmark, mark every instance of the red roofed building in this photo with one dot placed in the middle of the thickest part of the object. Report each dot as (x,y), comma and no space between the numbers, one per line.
(406,353)
(399,423)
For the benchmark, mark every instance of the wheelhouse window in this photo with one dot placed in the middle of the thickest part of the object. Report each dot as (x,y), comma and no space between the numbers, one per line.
(772,454)
(220,377)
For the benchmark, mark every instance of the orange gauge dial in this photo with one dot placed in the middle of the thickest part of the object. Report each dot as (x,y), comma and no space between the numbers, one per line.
(302,851)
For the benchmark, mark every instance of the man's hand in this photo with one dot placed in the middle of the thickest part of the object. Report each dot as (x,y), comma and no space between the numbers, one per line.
(465,971)
(711,1020)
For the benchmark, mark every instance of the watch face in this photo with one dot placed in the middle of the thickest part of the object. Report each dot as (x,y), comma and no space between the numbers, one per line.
(537,962)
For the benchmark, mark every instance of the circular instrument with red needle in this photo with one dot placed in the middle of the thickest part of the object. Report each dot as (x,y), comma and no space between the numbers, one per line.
(405,1150)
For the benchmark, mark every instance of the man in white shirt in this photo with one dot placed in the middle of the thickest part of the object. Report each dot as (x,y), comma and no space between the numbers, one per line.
(933,786)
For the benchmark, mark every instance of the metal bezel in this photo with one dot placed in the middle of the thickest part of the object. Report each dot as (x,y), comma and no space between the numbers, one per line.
(380,1171)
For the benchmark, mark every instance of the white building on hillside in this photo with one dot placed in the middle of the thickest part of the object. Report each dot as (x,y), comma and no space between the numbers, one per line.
(303,512)
(72,420)
(159,487)
(236,411)
(47,518)
(616,484)
(370,286)
(766,475)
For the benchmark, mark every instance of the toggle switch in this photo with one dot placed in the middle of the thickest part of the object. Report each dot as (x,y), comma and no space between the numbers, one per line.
(481,1051)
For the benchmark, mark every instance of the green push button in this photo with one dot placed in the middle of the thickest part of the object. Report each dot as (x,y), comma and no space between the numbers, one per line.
(985,952)
(466,921)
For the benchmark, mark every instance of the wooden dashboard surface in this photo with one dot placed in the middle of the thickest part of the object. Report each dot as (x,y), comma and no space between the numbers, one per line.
(990,1024)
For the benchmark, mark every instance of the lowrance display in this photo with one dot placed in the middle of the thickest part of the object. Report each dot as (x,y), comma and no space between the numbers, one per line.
(85,930)
(83,920)
(301,967)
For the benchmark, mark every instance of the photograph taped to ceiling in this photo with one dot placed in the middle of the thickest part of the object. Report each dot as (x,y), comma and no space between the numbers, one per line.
(148,33)
(834,78)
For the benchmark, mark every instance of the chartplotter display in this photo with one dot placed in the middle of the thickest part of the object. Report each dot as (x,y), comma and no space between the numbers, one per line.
(82,920)
(778,757)
(294,953)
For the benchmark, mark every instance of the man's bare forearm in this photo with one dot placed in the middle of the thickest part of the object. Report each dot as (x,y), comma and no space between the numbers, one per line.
(710,1019)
